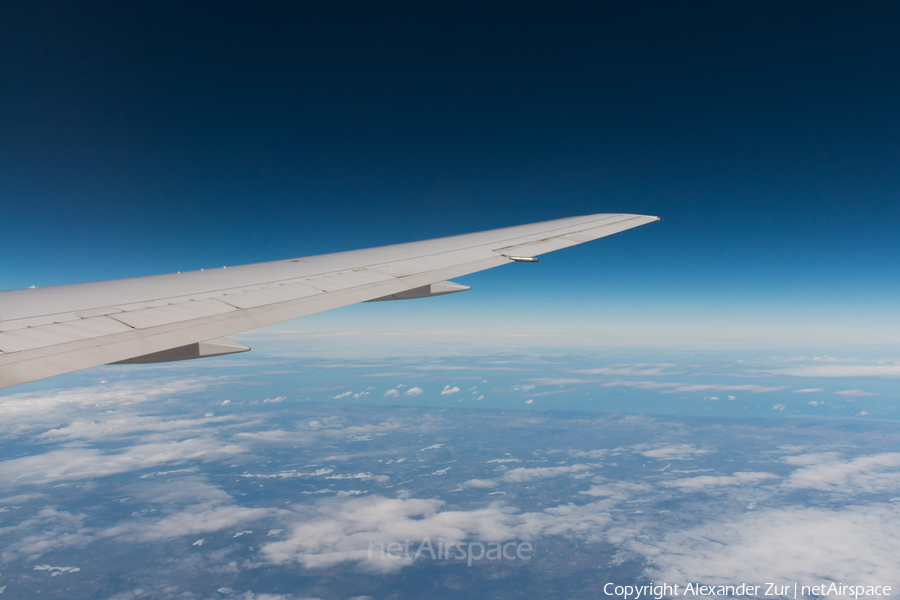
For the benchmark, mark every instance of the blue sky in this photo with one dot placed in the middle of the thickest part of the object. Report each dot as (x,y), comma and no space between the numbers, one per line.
(138,139)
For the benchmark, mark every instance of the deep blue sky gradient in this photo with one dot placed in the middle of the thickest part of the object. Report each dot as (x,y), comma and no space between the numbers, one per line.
(140,138)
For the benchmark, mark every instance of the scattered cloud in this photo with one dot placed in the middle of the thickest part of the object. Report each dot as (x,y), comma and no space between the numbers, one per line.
(190,506)
(619,490)
(808,391)
(328,533)
(524,474)
(707,481)
(121,426)
(552,392)
(252,596)
(84,463)
(335,532)
(35,410)
(832,370)
(54,571)
(50,530)
(480,483)
(870,474)
(679,388)
(588,453)
(674,451)
(853,393)
(636,369)
(814,544)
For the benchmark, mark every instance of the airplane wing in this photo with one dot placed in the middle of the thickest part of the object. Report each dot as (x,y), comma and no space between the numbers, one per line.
(54,330)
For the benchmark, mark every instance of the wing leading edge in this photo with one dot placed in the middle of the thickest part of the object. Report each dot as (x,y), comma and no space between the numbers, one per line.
(54,330)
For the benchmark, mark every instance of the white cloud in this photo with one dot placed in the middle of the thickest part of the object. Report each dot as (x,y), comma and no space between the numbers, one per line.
(806,545)
(810,458)
(449,390)
(50,530)
(779,407)
(853,393)
(529,401)
(20,499)
(808,391)
(636,369)
(190,521)
(191,507)
(840,371)
(83,463)
(706,481)
(523,474)
(54,571)
(552,392)
(334,532)
(331,428)
(344,395)
(618,490)
(413,391)
(674,451)
(589,453)
(826,471)
(480,483)
(120,426)
(36,410)
(392,393)
(183,490)
(681,388)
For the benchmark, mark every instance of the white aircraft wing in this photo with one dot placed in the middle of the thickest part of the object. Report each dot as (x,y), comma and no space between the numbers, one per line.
(54,330)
